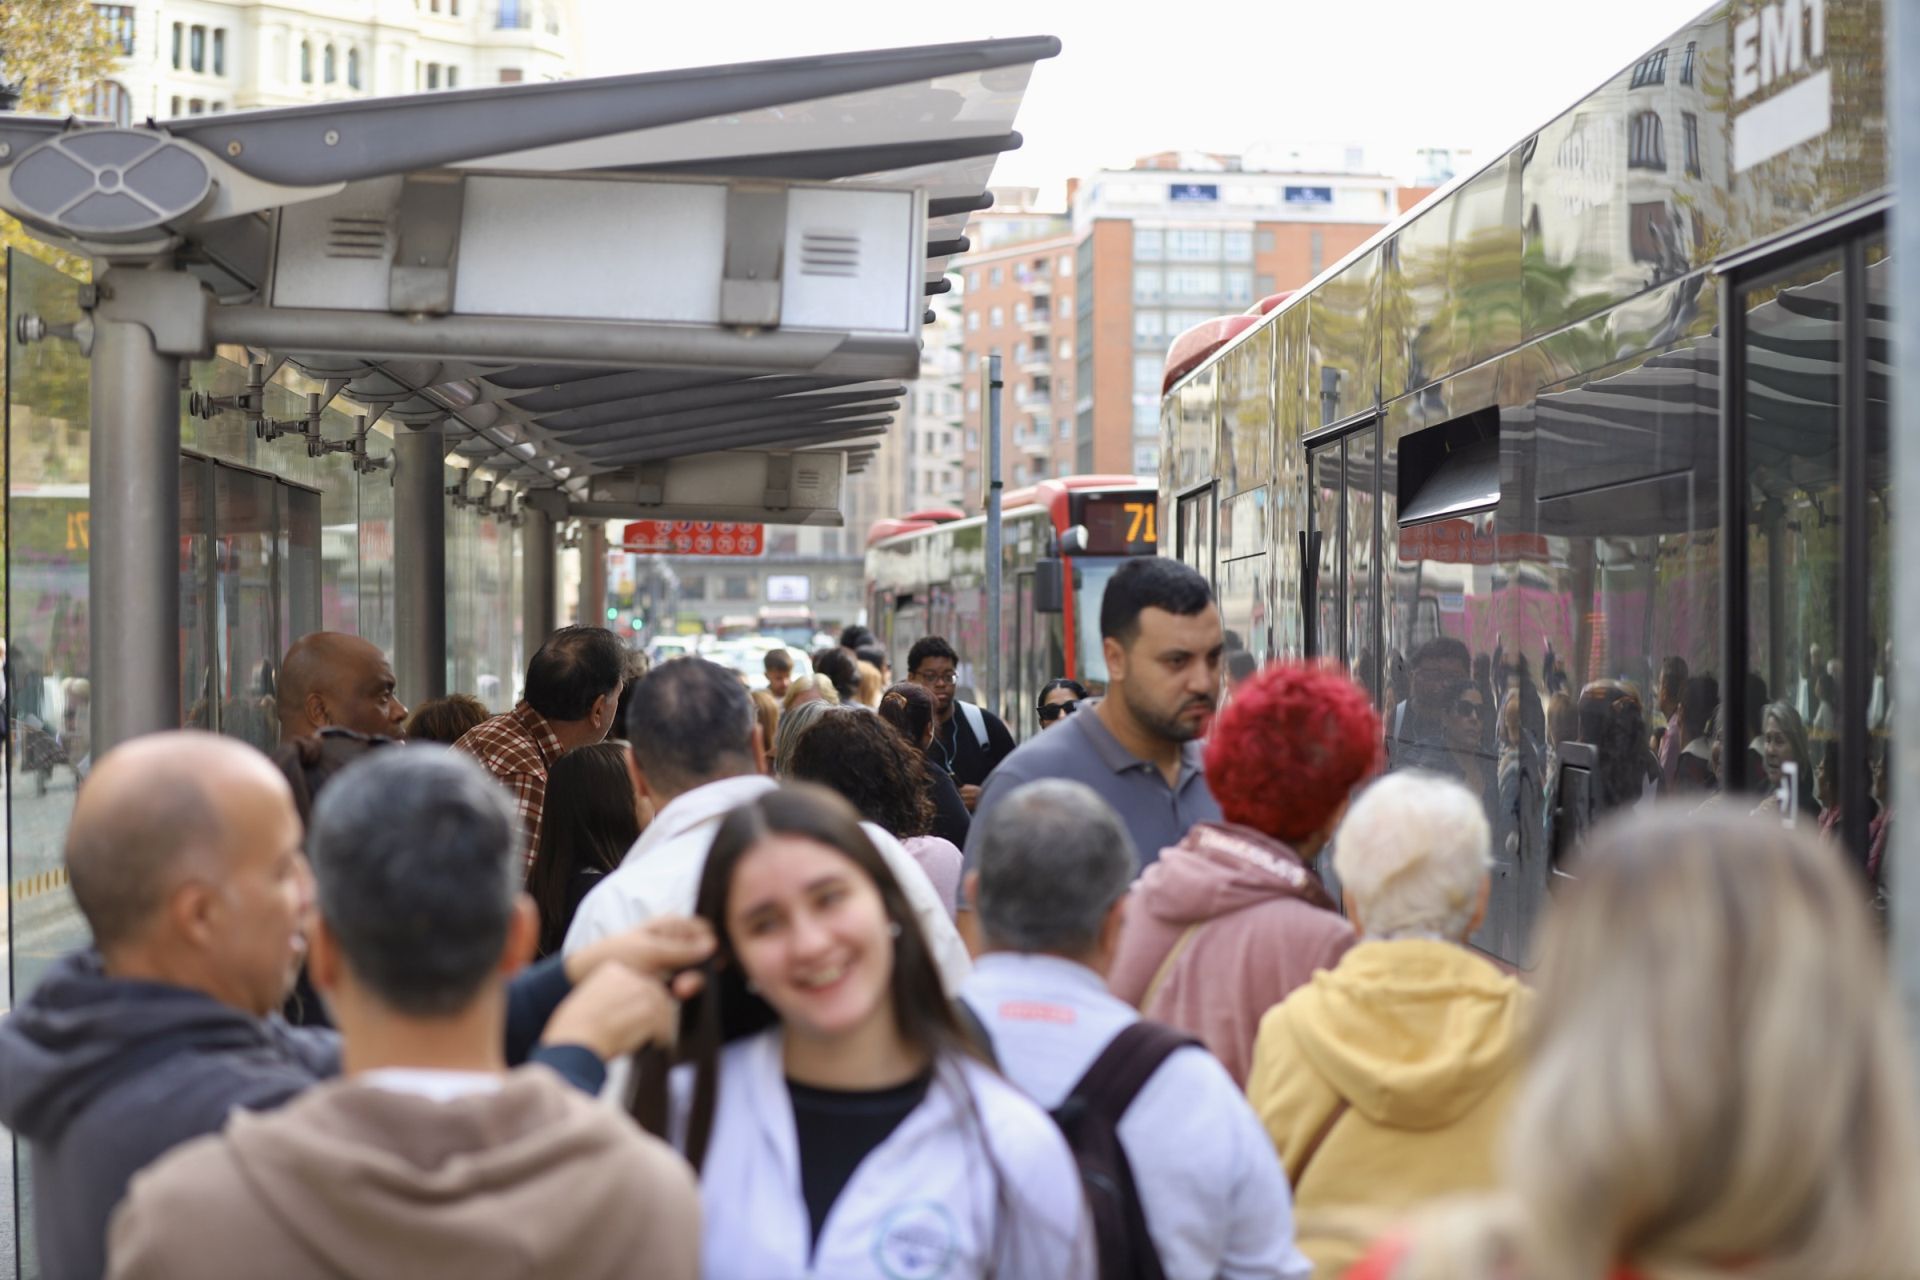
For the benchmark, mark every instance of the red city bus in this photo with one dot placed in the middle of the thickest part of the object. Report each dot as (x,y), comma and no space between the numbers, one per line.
(1062,539)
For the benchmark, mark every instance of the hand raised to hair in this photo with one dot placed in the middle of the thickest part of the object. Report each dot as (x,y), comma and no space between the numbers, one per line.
(659,948)
(614,1012)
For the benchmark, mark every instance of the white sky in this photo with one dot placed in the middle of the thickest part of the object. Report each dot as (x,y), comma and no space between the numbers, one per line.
(1137,78)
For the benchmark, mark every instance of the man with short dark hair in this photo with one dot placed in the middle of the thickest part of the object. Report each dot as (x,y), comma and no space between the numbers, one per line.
(1418,730)
(329,678)
(969,741)
(184,854)
(429,1158)
(778,664)
(1139,749)
(573,690)
(697,755)
(1049,895)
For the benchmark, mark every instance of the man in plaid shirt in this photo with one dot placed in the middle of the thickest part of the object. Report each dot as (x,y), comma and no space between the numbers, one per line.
(573,688)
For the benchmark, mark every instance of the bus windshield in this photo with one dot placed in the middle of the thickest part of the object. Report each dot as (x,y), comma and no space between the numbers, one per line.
(1090,577)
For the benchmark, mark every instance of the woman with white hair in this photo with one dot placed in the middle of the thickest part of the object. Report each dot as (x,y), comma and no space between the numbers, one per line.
(1718,1083)
(1386,1080)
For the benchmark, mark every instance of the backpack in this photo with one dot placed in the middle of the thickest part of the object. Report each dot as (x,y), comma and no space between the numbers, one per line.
(976,721)
(1089,1117)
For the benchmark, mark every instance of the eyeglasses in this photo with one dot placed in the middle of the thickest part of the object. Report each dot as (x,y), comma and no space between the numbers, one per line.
(1465,708)
(1054,710)
(942,678)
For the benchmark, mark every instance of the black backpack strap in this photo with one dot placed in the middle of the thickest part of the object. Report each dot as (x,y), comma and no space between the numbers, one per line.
(976,1030)
(1124,1067)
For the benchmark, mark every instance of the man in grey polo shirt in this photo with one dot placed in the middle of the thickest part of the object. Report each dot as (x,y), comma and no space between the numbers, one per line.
(1138,747)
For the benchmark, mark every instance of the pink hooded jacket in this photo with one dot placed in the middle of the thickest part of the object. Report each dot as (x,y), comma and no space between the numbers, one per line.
(1261,924)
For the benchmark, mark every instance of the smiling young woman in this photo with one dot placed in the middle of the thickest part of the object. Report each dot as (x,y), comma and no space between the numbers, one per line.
(840,1122)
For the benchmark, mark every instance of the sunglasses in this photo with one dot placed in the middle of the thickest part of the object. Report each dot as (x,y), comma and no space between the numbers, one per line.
(1053,711)
(1465,708)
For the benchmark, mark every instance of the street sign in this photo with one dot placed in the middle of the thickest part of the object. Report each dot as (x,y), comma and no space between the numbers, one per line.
(693,538)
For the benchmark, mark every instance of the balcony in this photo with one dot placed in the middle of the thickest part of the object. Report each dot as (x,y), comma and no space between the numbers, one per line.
(1034,360)
(1033,399)
(1037,285)
(1038,322)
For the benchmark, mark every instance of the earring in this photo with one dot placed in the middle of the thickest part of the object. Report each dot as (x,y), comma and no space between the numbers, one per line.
(894,928)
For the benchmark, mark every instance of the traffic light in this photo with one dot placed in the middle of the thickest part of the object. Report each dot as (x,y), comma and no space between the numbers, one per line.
(613,614)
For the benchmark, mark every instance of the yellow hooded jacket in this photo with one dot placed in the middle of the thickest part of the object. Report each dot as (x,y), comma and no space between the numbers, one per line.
(1384,1082)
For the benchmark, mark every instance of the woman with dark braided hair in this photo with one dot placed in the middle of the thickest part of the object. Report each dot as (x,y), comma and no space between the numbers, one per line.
(909,708)
(866,760)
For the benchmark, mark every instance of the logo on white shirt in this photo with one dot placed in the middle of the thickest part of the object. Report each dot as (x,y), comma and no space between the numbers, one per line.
(915,1241)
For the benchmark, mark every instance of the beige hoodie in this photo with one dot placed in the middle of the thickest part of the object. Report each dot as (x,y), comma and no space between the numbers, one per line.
(351,1180)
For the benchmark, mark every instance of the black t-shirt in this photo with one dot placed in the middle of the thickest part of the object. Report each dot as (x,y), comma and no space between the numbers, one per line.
(836,1129)
(950,816)
(956,749)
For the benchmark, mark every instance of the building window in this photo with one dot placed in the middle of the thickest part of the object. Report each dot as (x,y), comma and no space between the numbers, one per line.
(1147,371)
(1236,246)
(973,278)
(306,62)
(433,75)
(1019,313)
(1686,63)
(1193,282)
(1148,244)
(215,108)
(514,15)
(1264,286)
(995,278)
(175,105)
(1690,133)
(973,401)
(996,317)
(453,77)
(179,43)
(1147,326)
(1066,264)
(1263,240)
(693,586)
(1316,251)
(1193,245)
(110,101)
(1646,148)
(736,586)
(510,75)
(973,441)
(197,49)
(219,51)
(1040,266)
(1650,70)
(196,106)
(973,361)
(1064,350)
(353,68)
(329,65)
(1239,286)
(973,322)
(1146,284)
(118,20)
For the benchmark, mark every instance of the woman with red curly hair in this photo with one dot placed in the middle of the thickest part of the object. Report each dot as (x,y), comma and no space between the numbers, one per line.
(1233,917)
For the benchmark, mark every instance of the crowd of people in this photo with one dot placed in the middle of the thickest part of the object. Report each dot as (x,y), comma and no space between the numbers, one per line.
(1181,986)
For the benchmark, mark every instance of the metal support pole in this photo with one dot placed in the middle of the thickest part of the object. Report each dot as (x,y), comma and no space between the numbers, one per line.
(1903,99)
(133,556)
(593,573)
(990,693)
(420,562)
(538,558)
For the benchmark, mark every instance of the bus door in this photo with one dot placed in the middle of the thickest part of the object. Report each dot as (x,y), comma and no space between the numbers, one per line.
(1808,367)
(1337,552)
(1022,676)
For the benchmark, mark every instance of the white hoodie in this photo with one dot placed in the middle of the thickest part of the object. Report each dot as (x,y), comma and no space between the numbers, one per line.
(975,1182)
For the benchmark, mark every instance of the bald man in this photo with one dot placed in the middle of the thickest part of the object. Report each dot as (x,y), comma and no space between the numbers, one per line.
(184,855)
(331,678)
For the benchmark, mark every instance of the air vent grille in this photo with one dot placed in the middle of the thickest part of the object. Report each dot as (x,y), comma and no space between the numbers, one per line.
(350,236)
(808,478)
(830,253)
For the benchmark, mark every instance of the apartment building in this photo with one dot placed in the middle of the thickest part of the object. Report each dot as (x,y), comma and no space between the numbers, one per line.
(196,57)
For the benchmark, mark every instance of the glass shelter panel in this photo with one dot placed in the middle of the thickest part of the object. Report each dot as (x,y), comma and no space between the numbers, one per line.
(47,661)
